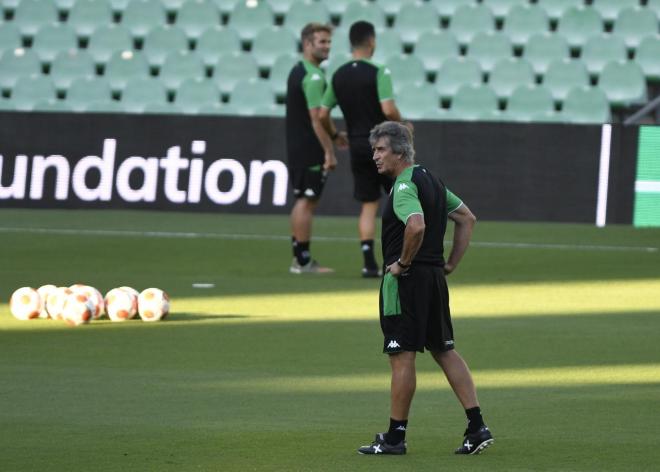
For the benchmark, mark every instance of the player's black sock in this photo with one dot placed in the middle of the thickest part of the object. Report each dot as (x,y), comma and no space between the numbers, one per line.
(368,254)
(475,421)
(397,431)
(302,252)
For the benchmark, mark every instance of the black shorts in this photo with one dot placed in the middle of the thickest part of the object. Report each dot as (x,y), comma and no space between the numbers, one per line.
(414,311)
(308,182)
(367,182)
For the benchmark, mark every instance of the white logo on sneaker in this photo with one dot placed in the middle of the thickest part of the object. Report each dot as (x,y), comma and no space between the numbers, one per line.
(393,344)
(468,445)
(377,449)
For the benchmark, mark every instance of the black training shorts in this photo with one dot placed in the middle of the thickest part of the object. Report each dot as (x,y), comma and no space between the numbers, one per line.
(414,311)
(367,182)
(308,182)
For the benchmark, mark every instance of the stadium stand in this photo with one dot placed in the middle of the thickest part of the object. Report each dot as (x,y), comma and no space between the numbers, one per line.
(363,10)
(142,91)
(30,90)
(419,102)
(488,48)
(272,42)
(406,71)
(586,105)
(179,66)
(601,49)
(303,12)
(468,20)
(50,40)
(529,101)
(17,64)
(543,48)
(634,24)
(216,41)
(234,67)
(141,16)
(474,102)
(434,47)
(86,16)
(162,40)
(523,21)
(195,17)
(195,93)
(563,76)
(86,90)
(107,40)
(509,73)
(623,83)
(415,20)
(69,66)
(578,24)
(31,15)
(455,72)
(647,55)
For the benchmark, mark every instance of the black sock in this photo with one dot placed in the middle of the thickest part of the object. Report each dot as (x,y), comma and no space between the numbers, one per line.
(294,243)
(475,421)
(397,431)
(302,252)
(368,254)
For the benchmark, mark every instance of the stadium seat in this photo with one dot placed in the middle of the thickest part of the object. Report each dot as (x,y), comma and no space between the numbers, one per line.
(271,109)
(6,104)
(523,21)
(250,18)
(193,94)
(634,24)
(415,20)
(104,106)
(507,74)
(564,75)
(623,83)
(473,102)
(232,68)
(216,41)
(447,8)
(366,11)
(334,62)
(118,6)
(86,90)
(556,8)
(303,12)
(88,15)
(434,47)
(64,5)
(51,105)
(647,55)
(142,91)
(196,16)
(454,72)
(393,7)
(407,71)
(250,95)
(280,7)
(501,8)
(341,43)
(528,101)
(279,73)
(30,90)
(543,48)
(226,6)
(468,20)
(31,15)
(585,105)
(52,39)
(173,6)
(418,102)
(488,48)
(610,9)
(106,40)
(179,66)
(17,64)
(124,66)
(270,43)
(162,40)
(69,66)
(166,108)
(547,117)
(654,5)
(601,49)
(212,109)
(338,7)
(579,24)
(141,16)
(388,42)
(10,37)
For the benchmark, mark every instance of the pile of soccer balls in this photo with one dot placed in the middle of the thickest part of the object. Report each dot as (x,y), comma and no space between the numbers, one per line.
(79,304)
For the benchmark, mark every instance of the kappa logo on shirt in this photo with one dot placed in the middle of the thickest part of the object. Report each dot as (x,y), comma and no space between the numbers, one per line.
(387,71)
(402,186)
(316,77)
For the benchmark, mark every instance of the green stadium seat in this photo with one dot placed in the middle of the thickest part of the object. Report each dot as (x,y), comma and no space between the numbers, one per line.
(272,42)
(647,55)
(232,68)
(473,102)
(406,70)
(249,18)
(104,106)
(141,16)
(528,101)
(468,20)
(162,40)
(334,62)
(634,24)
(547,117)
(118,6)
(6,104)
(579,24)
(173,6)
(226,6)
(250,95)
(586,105)
(341,43)
(124,66)
(488,48)
(107,40)
(166,108)
(69,66)
(272,109)
(388,42)
(193,94)
(654,5)
(523,21)
(303,12)
(454,72)
(623,83)
(610,9)
(52,39)
(196,16)
(31,15)
(433,47)
(88,15)
(141,92)
(9,5)
(393,7)
(279,73)
(501,8)
(337,7)
(601,49)
(556,8)
(418,102)
(30,90)
(213,109)
(564,75)
(86,90)
(179,66)
(17,64)
(52,105)
(10,37)
(280,7)
(507,74)
(447,8)
(216,41)
(543,48)
(64,5)
(414,20)
(367,11)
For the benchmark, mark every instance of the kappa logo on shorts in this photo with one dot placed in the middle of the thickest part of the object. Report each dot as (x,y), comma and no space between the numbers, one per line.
(310,193)
(393,345)
(449,343)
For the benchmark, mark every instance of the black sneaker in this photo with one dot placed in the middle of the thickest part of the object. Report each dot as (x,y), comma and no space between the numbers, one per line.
(371,273)
(474,443)
(379,446)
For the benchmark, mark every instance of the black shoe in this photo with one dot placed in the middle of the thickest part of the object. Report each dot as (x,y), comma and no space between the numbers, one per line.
(474,443)
(379,446)
(371,273)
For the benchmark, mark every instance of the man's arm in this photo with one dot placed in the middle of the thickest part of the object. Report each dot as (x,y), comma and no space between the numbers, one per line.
(412,241)
(464,221)
(324,138)
(340,139)
(390,110)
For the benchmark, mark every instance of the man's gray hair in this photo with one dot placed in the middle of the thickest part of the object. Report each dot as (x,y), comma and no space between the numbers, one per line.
(399,136)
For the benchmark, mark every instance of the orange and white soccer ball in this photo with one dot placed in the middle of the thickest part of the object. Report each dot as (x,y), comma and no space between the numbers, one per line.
(77,309)
(25,304)
(94,296)
(55,302)
(44,291)
(120,305)
(153,304)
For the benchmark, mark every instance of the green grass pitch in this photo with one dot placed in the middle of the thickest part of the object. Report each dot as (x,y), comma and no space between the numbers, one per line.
(270,371)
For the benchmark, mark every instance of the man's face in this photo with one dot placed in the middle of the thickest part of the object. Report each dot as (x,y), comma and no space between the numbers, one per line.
(386,161)
(320,45)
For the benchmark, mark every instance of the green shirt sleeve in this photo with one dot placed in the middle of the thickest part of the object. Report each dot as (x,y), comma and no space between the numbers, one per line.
(384,82)
(313,87)
(329,98)
(453,202)
(406,200)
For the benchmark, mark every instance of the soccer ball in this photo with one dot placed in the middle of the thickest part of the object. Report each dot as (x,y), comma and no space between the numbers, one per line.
(94,296)
(132,291)
(77,309)
(44,291)
(120,305)
(25,304)
(55,302)
(153,304)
